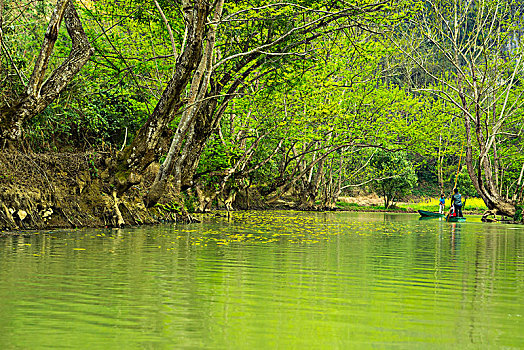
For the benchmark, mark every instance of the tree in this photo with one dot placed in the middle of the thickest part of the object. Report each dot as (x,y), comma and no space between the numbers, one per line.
(396,176)
(311,132)
(41,89)
(480,68)
(256,39)
(151,141)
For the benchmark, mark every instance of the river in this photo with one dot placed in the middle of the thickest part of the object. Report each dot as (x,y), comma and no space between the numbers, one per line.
(267,280)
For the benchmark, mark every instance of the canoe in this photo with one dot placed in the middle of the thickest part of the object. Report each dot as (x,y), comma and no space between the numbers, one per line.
(430,214)
(456,219)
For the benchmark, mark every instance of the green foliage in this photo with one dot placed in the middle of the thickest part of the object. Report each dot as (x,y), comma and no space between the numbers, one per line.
(91,160)
(464,183)
(518,214)
(349,92)
(24,24)
(86,124)
(431,204)
(171,207)
(394,174)
(190,202)
(218,155)
(347,205)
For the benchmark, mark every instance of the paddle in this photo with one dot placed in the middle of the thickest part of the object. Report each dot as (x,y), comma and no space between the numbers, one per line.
(450,209)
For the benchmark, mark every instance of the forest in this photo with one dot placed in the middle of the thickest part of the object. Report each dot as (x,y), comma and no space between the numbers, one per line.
(132,112)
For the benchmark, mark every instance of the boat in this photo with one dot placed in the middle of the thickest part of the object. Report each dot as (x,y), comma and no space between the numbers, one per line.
(456,219)
(430,214)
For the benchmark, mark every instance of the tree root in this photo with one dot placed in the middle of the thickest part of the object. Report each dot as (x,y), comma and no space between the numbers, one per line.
(10,221)
(119,219)
(487,214)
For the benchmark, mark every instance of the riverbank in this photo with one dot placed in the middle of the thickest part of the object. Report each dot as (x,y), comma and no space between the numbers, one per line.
(373,202)
(400,208)
(70,190)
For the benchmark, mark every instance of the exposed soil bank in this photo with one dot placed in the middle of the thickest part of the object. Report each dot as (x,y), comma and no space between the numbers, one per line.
(66,190)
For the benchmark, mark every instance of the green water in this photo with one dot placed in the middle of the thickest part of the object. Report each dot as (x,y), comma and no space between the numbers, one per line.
(267,280)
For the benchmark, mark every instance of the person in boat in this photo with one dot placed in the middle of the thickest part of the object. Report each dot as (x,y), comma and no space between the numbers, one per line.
(442,204)
(452,211)
(456,202)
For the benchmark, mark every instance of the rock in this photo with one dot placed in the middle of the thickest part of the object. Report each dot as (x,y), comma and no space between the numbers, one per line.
(22,214)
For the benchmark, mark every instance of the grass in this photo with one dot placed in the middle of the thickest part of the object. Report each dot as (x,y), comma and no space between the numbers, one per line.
(430,204)
(358,207)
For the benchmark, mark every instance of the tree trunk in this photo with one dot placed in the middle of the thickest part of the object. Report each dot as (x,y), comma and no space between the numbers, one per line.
(440,160)
(197,91)
(39,94)
(202,128)
(520,186)
(331,201)
(1,33)
(386,198)
(204,200)
(483,183)
(313,186)
(152,139)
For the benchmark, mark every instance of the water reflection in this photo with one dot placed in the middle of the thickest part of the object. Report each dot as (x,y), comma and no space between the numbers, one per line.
(278,279)
(455,237)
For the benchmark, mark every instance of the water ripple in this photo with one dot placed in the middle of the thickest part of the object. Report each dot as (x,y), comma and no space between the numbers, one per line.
(267,280)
